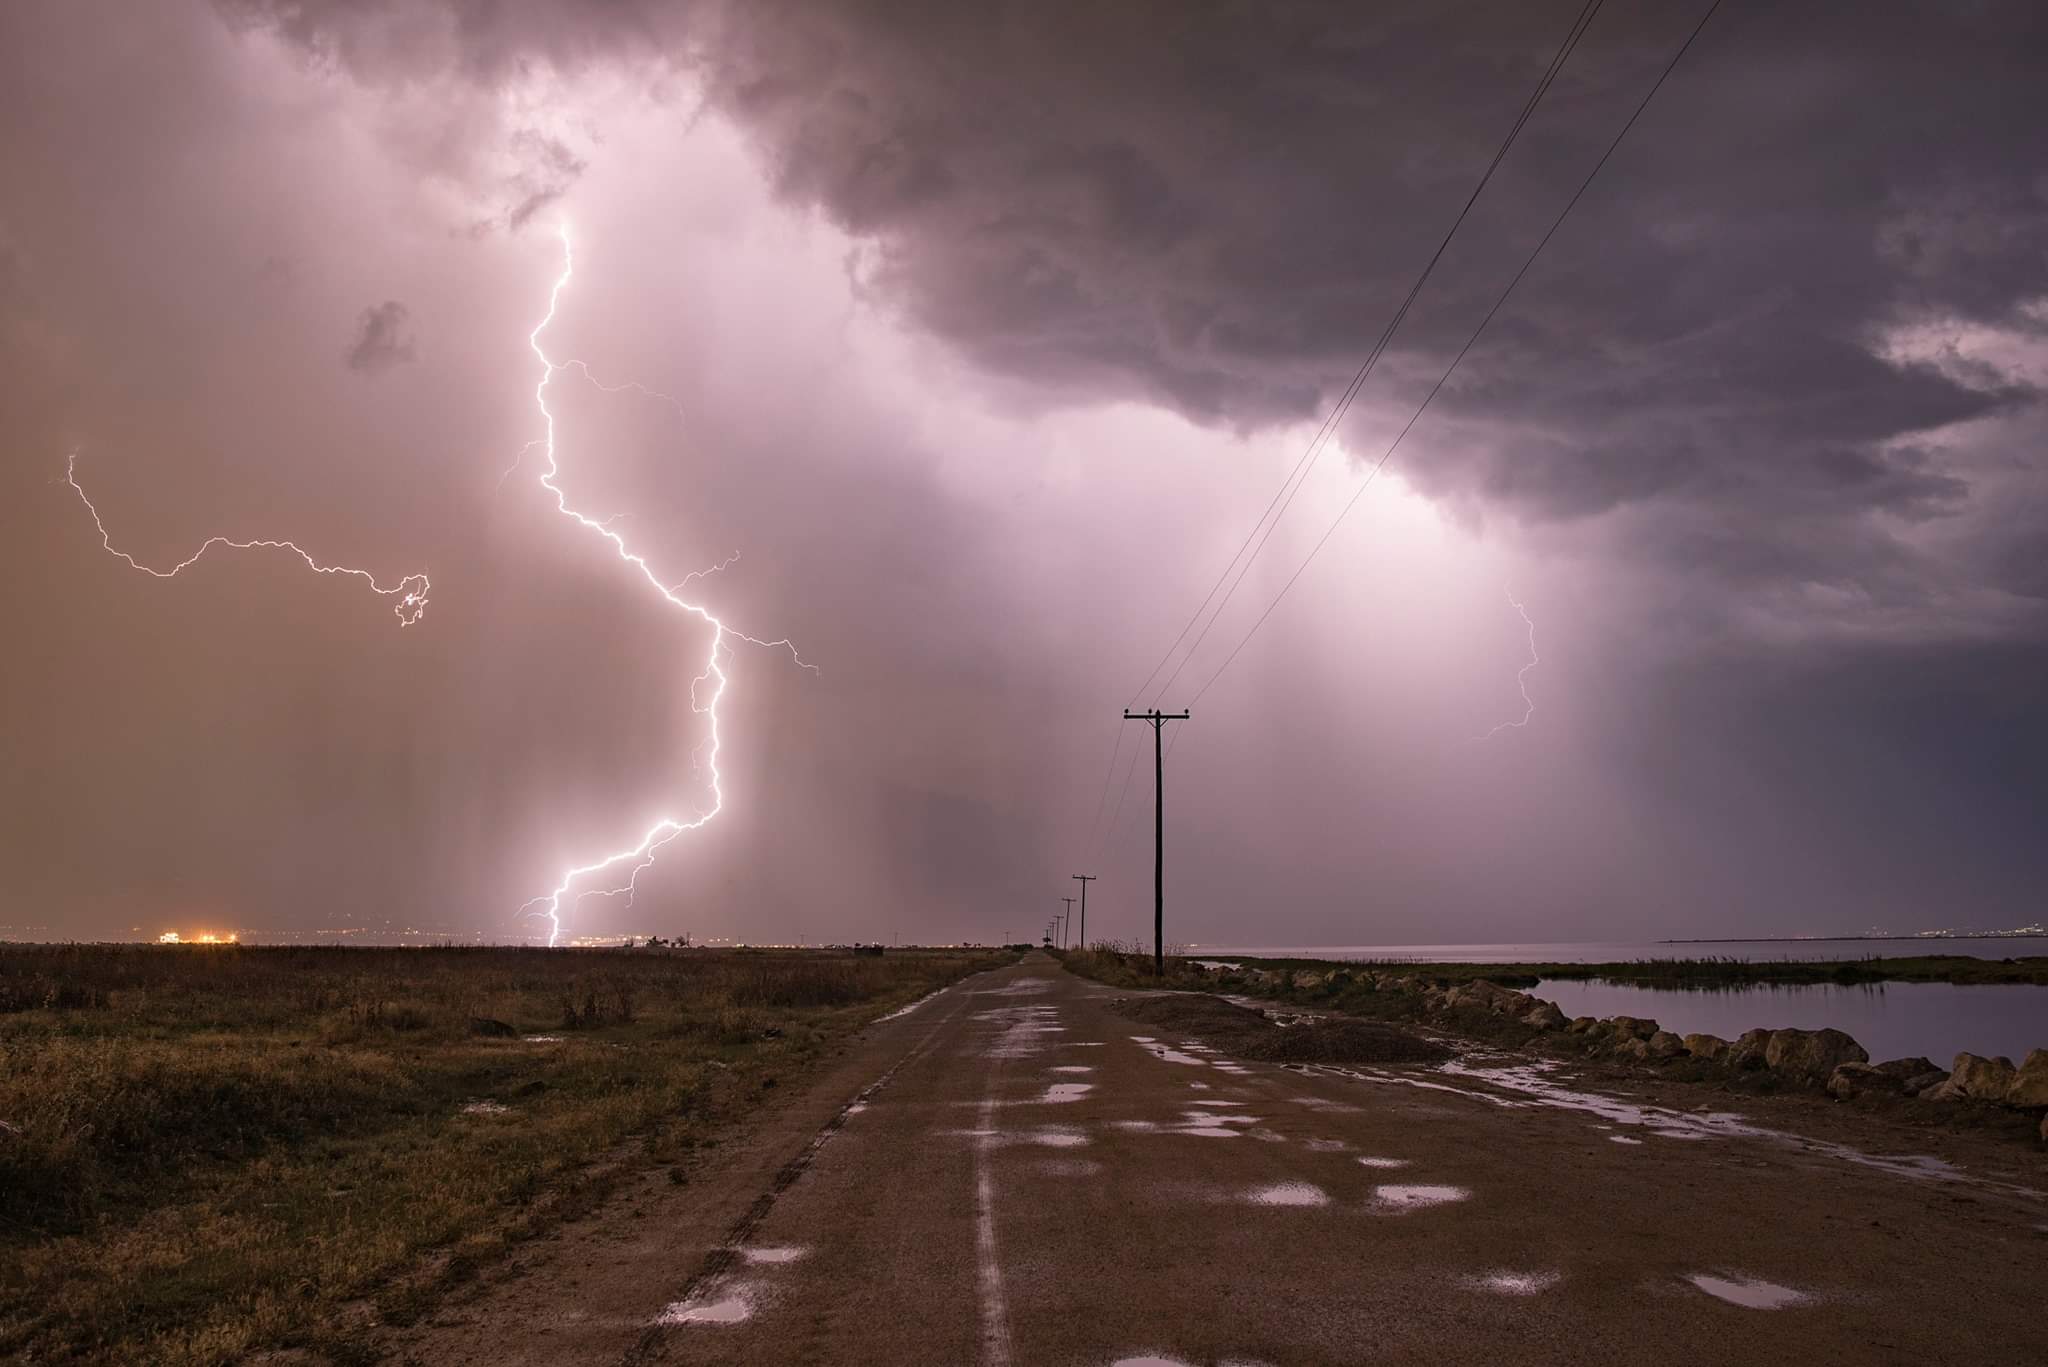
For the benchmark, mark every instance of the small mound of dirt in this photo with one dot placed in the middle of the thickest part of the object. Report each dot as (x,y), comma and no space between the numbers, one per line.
(1248,1034)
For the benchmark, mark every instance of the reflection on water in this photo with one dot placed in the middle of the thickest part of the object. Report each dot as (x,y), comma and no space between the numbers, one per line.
(1891,1020)
(1752,1294)
(1629,951)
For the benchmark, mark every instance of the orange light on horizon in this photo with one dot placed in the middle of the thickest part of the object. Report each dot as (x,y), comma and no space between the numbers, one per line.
(205,937)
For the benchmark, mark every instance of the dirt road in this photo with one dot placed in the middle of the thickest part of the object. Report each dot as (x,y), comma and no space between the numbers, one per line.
(1028,1178)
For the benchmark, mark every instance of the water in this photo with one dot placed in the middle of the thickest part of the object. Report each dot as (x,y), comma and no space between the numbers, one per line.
(1891,1020)
(1801,951)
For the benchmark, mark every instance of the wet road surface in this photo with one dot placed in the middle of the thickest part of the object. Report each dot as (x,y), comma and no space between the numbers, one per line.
(1024,1177)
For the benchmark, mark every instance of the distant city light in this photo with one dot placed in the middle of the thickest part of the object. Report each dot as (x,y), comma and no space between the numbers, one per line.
(205,937)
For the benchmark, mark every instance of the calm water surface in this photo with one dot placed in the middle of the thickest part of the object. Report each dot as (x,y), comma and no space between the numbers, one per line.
(1801,951)
(1891,1020)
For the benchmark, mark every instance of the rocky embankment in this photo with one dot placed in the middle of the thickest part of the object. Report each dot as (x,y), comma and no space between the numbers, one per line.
(1826,1059)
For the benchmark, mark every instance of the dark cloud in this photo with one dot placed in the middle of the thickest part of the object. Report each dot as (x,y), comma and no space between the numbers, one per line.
(1767,407)
(1218,206)
(382,338)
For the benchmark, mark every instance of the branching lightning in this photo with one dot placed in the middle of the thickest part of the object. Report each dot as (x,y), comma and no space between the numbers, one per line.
(625,866)
(1521,675)
(707,689)
(411,591)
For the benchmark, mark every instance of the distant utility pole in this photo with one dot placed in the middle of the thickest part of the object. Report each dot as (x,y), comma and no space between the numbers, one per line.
(1085,880)
(1158,720)
(1066,920)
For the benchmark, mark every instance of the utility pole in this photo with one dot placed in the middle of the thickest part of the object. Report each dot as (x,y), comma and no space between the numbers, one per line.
(1158,720)
(1085,880)
(1066,920)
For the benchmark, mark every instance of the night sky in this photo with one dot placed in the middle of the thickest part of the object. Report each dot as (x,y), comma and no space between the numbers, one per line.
(982,333)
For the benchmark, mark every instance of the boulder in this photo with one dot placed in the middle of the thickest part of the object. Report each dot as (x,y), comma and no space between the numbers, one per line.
(1977,1079)
(1712,1048)
(1581,1024)
(490,1029)
(1748,1049)
(1811,1054)
(2030,1085)
(1664,1044)
(1631,1047)
(1544,1016)
(1308,980)
(1638,1027)
(1852,1080)
(1905,1069)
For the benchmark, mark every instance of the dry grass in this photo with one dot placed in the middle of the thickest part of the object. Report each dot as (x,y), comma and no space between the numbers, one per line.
(206,1150)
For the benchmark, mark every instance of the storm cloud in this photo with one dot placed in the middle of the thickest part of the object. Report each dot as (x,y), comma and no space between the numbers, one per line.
(1759,435)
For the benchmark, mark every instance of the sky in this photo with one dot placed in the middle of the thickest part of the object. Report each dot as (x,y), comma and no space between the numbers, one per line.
(960,347)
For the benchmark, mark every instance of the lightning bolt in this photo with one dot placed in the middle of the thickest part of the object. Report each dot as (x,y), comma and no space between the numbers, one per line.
(1521,675)
(411,591)
(626,865)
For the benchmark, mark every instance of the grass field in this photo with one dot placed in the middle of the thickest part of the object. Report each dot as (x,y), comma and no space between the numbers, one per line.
(207,1150)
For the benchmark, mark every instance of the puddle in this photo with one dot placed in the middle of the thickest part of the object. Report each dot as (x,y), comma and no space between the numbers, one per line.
(485,1108)
(1752,1295)
(1384,1162)
(1199,1086)
(1416,1198)
(1024,1029)
(784,1253)
(1327,1145)
(1532,1085)
(1288,1194)
(1518,1283)
(856,1107)
(1057,1137)
(1199,1130)
(1205,1118)
(727,1309)
(1150,1360)
(1067,1091)
(540,1039)
(1165,1052)
(1074,1068)
(902,1011)
(1622,1139)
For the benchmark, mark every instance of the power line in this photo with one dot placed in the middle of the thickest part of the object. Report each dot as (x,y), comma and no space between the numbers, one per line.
(1284,496)
(1556,223)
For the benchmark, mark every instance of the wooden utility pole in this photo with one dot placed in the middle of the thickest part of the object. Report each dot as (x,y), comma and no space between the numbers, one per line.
(1085,879)
(1158,720)
(1066,920)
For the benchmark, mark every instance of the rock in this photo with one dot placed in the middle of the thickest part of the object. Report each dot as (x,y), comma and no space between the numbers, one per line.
(1631,1047)
(2030,1085)
(1748,1049)
(1307,980)
(1976,1078)
(1581,1024)
(1544,1016)
(1811,1054)
(1852,1080)
(490,1029)
(1922,1083)
(1637,1026)
(1905,1069)
(1664,1044)
(1516,1004)
(1712,1048)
